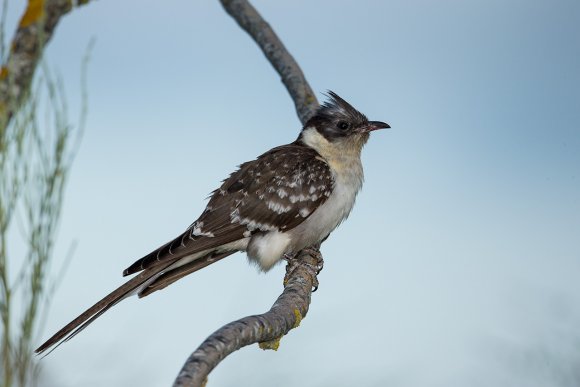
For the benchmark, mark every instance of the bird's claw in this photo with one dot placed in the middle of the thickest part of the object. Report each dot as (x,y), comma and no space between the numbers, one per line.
(315,269)
(316,254)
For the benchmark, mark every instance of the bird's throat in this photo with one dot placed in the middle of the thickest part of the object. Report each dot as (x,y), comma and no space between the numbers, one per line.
(342,154)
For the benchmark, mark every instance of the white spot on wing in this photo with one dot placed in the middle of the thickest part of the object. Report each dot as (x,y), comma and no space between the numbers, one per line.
(302,198)
(278,207)
(197,231)
(251,224)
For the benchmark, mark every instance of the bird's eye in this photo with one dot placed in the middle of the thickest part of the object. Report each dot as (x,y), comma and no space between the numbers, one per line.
(343,125)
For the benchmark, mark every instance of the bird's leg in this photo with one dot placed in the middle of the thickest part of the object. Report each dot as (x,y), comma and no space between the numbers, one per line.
(289,256)
(315,253)
(313,268)
(291,264)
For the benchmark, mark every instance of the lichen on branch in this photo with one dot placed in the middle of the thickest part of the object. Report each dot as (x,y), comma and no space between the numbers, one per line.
(34,31)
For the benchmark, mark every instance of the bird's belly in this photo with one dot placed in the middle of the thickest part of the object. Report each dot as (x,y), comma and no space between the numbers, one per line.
(325,219)
(268,248)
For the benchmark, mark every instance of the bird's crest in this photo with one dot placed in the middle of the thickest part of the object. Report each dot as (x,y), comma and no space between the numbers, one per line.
(336,106)
(335,109)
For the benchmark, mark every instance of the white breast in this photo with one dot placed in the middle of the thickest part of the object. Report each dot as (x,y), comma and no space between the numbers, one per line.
(330,214)
(346,167)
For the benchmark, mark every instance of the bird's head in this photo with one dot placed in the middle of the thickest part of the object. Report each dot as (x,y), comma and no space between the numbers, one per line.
(341,124)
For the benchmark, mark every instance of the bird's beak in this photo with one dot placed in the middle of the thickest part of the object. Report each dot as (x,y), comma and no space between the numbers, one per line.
(376,125)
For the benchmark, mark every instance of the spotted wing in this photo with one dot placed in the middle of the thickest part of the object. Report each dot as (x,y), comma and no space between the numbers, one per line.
(277,191)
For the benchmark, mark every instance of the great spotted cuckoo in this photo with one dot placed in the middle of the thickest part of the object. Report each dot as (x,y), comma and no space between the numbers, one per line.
(291,197)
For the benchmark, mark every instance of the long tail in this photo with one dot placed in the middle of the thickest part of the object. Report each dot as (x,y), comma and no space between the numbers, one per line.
(143,284)
(91,314)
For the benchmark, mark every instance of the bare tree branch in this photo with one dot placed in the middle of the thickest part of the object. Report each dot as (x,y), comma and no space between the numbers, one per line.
(301,272)
(267,329)
(265,37)
(35,29)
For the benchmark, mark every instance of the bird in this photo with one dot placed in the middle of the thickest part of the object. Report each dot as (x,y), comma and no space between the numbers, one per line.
(285,200)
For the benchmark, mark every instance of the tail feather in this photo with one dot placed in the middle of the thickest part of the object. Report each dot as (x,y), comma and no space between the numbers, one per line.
(170,276)
(95,311)
(146,282)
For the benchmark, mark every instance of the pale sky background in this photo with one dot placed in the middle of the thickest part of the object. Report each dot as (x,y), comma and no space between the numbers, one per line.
(460,264)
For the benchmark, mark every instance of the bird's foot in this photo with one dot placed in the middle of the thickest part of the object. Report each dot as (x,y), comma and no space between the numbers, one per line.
(316,254)
(313,268)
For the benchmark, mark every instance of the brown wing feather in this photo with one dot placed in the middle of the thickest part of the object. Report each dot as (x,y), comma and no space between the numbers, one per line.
(184,245)
(277,191)
(173,275)
(293,182)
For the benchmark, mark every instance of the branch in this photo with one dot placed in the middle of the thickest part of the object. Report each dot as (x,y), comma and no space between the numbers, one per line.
(34,31)
(267,329)
(301,272)
(265,37)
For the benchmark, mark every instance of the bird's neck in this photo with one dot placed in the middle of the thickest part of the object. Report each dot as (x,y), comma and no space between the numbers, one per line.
(342,155)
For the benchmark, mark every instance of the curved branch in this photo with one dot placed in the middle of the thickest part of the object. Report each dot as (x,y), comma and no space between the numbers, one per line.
(265,37)
(266,329)
(35,29)
(301,272)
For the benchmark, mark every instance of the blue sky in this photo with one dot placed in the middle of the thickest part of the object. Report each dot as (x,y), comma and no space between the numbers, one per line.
(460,262)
